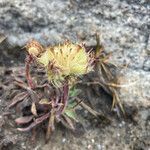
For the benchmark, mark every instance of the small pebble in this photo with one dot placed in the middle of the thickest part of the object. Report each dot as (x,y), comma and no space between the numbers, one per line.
(86,112)
(89,147)
(123,123)
(23,145)
(12,61)
(64,140)
(93,141)
(99,147)
(120,125)
(95,121)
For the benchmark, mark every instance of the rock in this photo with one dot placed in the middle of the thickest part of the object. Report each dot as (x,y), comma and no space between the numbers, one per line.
(124,27)
(134,88)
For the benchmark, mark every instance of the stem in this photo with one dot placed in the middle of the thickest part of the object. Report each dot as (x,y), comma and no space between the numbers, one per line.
(65,95)
(64,98)
(50,127)
(28,61)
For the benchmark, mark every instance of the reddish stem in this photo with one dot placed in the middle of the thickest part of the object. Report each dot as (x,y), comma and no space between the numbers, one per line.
(64,98)
(28,61)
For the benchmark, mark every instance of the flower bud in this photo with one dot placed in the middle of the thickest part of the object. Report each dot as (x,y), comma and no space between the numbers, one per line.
(34,48)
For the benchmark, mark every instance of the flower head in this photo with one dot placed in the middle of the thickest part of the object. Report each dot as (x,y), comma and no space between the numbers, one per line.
(34,48)
(65,60)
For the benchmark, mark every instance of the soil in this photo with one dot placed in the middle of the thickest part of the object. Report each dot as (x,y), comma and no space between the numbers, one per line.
(120,133)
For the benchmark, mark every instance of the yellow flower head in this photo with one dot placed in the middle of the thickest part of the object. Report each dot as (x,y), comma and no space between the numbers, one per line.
(65,60)
(34,48)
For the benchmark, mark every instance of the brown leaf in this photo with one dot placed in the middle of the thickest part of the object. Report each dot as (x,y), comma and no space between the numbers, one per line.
(67,122)
(18,98)
(89,109)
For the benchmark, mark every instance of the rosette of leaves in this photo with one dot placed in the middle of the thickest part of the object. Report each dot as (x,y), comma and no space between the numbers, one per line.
(63,64)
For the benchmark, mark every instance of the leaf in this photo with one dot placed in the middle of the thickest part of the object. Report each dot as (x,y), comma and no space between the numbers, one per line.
(18,98)
(67,122)
(89,109)
(71,104)
(2,38)
(71,113)
(44,102)
(35,123)
(23,120)
(33,109)
(73,92)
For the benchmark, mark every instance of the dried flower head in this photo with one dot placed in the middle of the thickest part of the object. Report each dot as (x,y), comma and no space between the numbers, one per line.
(65,60)
(34,48)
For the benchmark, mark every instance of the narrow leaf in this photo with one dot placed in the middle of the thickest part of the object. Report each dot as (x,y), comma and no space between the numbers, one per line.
(71,113)
(33,109)
(23,120)
(44,102)
(67,122)
(35,123)
(18,98)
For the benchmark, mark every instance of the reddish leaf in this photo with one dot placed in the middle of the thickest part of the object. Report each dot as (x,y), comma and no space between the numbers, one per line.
(35,123)
(23,120)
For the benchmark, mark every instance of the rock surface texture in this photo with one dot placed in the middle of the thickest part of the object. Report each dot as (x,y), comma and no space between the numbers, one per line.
(124,26)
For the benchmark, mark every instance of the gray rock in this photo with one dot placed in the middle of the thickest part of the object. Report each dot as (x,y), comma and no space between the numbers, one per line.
(124,26)
(135,87)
